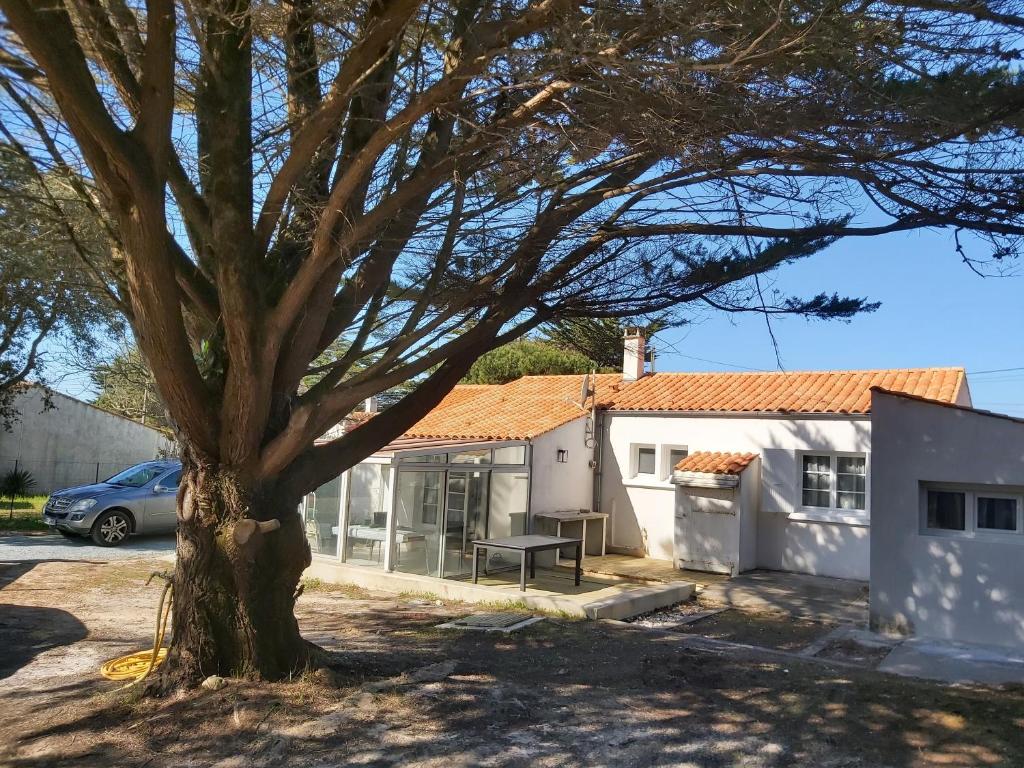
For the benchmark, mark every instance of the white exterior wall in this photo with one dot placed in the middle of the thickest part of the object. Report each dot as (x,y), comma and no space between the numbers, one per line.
(74,443)
(556,486)
(749,491)
(788,538)
(948,586)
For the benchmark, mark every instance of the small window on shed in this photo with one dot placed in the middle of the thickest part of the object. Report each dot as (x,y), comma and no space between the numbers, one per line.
(946,510)
(997,513)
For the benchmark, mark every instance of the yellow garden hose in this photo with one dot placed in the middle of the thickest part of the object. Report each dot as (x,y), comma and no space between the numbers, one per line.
(137,666)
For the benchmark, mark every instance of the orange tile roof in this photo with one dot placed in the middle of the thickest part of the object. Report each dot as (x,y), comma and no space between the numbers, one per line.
(533,405)
(519,410)
(715,462)
(798,392)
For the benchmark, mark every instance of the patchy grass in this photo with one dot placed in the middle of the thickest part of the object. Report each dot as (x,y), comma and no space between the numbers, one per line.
(428,596)
(520,606)
(312,584)
(26,515)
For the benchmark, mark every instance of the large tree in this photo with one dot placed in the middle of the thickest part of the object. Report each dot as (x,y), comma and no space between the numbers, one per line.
(48,294)
(125,385)
(526,357)
(600,338)
(429,180)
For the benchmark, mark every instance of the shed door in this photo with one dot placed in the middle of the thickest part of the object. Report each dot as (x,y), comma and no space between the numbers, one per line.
(707,530)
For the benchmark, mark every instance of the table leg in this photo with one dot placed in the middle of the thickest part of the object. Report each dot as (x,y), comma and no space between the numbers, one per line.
(533,562)
(579,562)
(522,572)
(558,533)
(476,559)
(584,537)
(604,535)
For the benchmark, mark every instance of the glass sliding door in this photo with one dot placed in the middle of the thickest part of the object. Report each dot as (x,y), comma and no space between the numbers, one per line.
(321,512)
(418,521)
(367,514)
(508,512)
(465,520)
(509,501)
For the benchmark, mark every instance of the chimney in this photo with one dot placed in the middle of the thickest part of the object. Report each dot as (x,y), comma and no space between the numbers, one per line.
(370,405)
(633,355)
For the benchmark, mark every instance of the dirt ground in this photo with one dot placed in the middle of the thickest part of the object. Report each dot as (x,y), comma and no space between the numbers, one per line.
(560,693)
(784,633)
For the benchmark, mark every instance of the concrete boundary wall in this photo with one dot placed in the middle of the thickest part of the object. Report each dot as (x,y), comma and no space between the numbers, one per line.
(74,442)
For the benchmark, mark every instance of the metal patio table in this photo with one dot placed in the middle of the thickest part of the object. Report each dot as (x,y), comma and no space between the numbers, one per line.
(527,546)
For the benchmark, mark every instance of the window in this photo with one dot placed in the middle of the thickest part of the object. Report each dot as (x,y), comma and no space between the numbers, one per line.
(425,458)
(431,497)
(481,456)
(973,512)
(946,510)
(137,476)
(851,482)
(172,480)
(997,513)
(672,455)
(834,481)
(675,455)
(817,487)
(645,461)
(510,454)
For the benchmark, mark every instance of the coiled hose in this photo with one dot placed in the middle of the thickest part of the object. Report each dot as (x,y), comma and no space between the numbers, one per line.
(138,666)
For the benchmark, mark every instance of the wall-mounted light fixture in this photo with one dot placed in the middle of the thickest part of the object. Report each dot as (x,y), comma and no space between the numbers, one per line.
(562,456)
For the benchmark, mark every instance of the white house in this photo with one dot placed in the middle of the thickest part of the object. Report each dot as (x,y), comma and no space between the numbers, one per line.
(886,476)
(714,471)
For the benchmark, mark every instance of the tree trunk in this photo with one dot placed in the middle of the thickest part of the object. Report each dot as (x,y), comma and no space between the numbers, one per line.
(235,580)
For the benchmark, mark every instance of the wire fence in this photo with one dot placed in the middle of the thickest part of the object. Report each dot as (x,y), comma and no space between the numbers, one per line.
(51,475)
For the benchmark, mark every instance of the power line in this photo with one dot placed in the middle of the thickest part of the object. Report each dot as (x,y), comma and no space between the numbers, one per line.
(994,370)
(675,349)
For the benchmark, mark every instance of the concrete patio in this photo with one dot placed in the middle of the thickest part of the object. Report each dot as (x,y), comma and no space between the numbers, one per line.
(644,569)
(812,597)
(597,596)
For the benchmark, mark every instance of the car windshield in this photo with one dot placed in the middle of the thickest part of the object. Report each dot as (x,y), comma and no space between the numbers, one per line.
(137,476)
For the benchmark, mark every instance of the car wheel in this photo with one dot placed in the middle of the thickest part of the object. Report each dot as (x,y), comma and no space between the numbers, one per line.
(67,534)
(111,528)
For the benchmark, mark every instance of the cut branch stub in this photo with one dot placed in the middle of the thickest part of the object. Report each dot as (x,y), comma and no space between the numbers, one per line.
(247,532)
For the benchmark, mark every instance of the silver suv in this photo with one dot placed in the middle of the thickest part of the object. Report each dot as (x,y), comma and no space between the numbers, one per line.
(141,499)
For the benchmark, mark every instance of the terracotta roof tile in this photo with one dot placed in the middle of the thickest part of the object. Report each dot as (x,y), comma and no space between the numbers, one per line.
(533,405)
(519,410)
(799,392)
(715,462)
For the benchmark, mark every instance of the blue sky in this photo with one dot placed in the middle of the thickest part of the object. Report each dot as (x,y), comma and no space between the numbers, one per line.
(935,311)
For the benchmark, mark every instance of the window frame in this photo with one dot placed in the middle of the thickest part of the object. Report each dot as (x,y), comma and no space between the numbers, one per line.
(643,450)
(971,530)
(634,462)
(666,459)
(833,510)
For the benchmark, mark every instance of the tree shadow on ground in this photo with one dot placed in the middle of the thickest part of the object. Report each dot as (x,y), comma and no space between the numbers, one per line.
(27,631)
(560,693)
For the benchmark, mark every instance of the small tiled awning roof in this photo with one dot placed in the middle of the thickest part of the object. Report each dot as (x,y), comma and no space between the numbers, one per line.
(715,462)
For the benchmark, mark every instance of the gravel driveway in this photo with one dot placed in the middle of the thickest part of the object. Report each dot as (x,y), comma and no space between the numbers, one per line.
(51,546)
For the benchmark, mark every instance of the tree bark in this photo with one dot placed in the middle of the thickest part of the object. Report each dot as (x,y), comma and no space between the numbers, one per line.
(241,551)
